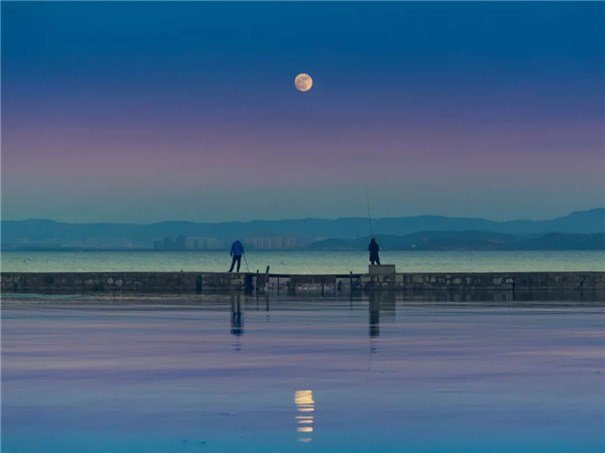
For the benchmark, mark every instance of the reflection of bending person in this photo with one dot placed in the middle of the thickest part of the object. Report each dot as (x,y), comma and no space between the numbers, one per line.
(237,322)
(374,248)
(237,250)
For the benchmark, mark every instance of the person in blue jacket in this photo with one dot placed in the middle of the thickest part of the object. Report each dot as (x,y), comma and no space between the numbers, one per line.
(237,250)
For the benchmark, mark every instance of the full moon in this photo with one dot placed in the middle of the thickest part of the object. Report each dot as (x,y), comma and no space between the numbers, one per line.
(303,82)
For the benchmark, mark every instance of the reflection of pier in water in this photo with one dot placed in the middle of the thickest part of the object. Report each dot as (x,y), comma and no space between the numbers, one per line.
(383,305)
(304,418)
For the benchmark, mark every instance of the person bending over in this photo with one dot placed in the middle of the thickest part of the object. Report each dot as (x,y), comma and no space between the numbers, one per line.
(237,250)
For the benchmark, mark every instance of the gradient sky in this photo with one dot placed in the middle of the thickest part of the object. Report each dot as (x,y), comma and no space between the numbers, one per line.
(142,112)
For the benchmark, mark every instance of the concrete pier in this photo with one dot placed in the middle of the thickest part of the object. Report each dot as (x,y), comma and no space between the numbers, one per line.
(174,282)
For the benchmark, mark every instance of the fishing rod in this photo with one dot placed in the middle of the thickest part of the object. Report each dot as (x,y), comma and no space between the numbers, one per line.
(369,214)
(371,235)
(371,337)
(246,261)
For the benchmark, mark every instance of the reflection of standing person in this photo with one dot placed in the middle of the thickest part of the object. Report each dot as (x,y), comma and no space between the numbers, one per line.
(374,248)
(237,250)
(374,305)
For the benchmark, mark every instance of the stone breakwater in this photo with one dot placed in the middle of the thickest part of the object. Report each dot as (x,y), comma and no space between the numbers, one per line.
(170,282)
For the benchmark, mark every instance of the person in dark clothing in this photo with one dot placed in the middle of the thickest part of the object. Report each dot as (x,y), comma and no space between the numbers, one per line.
(237,250)
(374,248)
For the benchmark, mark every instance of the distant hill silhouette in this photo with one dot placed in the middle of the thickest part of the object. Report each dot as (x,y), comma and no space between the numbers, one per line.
(38,231)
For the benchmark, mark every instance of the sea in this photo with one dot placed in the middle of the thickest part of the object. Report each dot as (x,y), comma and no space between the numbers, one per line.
(364,373)
(305,262)
(361,372)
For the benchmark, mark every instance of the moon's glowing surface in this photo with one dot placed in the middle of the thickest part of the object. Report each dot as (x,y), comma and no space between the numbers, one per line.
(303,82)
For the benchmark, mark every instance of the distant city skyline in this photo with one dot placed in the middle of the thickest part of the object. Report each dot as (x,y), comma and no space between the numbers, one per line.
(139,112)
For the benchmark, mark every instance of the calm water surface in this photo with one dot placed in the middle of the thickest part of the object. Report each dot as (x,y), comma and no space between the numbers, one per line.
(374,373)
(305,262)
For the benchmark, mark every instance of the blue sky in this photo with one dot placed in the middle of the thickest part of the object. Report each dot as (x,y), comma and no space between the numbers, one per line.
(148,111)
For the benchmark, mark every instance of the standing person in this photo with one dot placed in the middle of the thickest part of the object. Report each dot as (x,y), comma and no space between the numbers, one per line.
(374,248)
(237,250)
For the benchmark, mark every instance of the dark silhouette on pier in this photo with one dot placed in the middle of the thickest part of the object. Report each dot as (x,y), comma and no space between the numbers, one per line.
(374,248)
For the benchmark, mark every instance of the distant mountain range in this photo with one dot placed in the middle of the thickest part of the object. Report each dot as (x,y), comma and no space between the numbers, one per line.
(470,240)
(49,232)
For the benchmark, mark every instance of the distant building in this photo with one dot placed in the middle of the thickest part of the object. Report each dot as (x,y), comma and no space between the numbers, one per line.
(274,242)
(181,242)
(205,243)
